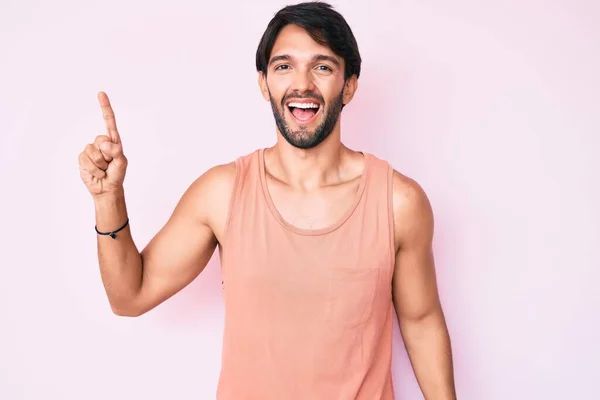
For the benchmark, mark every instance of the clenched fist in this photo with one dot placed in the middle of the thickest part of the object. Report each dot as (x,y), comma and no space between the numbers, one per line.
(102,164)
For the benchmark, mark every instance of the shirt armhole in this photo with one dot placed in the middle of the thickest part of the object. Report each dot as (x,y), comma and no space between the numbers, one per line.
(232,199)
(390,201)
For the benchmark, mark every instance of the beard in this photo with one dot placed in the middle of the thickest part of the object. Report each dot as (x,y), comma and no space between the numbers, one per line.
(303,138)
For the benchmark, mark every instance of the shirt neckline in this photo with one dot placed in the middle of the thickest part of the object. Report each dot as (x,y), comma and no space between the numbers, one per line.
(304,231)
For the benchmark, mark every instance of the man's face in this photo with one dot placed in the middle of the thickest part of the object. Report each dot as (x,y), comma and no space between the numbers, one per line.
(305,86)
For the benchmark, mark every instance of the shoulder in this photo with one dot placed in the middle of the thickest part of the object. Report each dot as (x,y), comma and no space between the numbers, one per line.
(216,185)
(206,199)
(412,212)
(217,180)
(209,197)
(212,189)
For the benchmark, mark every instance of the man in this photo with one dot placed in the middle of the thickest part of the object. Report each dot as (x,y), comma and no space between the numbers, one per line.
(318,243)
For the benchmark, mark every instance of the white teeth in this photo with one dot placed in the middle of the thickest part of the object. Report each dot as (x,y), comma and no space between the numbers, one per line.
(303,105)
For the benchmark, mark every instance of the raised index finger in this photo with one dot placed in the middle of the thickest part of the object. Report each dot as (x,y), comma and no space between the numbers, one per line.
(109,118)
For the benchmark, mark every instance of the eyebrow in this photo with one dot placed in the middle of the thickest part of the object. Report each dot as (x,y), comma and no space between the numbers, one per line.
(317,57)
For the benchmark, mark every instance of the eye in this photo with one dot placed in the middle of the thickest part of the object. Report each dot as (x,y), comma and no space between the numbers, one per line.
(282,67)
(324,68)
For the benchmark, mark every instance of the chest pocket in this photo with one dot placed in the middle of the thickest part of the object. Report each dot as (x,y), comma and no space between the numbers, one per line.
(350,296)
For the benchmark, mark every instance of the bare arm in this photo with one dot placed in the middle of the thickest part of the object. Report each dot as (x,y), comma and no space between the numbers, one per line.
(415,292)
(137,282)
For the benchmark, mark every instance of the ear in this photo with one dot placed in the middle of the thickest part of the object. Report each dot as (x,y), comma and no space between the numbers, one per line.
(262,84)
(350,87)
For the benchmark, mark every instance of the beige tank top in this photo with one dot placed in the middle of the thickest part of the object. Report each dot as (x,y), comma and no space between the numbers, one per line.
(308,313)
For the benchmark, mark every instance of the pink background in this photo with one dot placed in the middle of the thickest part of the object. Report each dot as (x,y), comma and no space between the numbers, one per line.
(492,106)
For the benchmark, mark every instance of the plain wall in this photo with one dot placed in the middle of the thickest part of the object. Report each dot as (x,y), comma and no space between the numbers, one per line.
(493,107)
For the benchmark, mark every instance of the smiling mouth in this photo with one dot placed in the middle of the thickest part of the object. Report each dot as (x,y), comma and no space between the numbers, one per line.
(303,112)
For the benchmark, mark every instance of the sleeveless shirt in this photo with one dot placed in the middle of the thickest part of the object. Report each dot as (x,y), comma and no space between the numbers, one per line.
(308,313)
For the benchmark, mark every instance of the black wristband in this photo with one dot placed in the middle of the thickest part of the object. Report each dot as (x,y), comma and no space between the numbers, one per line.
(113,233)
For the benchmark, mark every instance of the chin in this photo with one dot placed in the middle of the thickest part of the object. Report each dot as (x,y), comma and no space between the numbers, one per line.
(305,139)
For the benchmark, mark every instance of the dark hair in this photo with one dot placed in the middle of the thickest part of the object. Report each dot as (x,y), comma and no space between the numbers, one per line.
(325,25)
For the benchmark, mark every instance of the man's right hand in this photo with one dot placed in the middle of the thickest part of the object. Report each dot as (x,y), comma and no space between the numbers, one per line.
(102,164)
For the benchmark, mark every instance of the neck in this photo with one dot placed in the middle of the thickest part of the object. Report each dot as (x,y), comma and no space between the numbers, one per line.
(307,169)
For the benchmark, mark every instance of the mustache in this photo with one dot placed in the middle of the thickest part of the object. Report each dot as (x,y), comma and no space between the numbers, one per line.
(307,95)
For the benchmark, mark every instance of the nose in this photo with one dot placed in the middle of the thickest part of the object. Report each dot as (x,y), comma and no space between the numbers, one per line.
(302,81)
